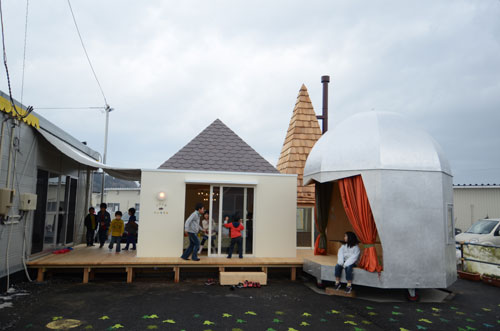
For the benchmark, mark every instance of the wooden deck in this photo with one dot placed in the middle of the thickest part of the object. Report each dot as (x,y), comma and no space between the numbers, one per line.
(91,258)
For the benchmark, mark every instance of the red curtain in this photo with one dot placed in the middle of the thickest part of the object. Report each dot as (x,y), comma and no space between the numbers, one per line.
(357,208)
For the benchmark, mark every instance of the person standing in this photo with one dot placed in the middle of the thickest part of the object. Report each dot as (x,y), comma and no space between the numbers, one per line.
(131,229)
(104,220)
(191,228)
(91,224)
(235,228)
(116,230)
(205,225)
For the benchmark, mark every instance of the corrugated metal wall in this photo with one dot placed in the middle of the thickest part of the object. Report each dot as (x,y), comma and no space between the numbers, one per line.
(34,152)
(474,202)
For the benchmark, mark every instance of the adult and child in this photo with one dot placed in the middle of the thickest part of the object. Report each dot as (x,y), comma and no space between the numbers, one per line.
(192,228)
(114,228)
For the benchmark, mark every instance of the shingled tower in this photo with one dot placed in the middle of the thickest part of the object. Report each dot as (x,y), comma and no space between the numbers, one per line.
(302,134)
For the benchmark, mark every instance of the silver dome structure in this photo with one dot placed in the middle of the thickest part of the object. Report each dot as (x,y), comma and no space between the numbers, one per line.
(376,140)
(408,182)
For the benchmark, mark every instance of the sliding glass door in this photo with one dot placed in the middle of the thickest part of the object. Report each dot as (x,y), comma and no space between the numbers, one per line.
(228,204)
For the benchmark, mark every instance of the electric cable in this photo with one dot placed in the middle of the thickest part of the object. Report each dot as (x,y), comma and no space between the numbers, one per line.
(13,104)
(24,51)
(86,54)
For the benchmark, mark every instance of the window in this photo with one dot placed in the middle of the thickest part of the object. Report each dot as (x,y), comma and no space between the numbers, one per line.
(450,225)
(304,227)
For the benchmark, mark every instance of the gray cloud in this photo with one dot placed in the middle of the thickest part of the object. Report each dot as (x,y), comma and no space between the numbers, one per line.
(170,68)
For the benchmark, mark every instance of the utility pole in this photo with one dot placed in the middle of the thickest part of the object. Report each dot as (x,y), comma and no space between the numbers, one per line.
(324,116)
(108,109)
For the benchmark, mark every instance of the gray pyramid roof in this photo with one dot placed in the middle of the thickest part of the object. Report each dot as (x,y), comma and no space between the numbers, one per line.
(218,148)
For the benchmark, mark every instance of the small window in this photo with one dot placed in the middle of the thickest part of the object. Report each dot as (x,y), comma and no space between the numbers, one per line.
(450,225)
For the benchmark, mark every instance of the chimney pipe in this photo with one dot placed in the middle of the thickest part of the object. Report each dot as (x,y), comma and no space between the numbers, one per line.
(324,116)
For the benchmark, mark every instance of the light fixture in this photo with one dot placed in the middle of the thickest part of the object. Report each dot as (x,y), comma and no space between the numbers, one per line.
(161,196)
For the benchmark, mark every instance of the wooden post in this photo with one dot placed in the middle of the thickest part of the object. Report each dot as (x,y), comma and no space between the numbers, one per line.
(39,277)
(86,272)
(130,274)
(293,275)
(264,269)
(177,274)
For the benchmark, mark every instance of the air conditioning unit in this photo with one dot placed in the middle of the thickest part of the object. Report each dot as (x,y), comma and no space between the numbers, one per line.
(27,201)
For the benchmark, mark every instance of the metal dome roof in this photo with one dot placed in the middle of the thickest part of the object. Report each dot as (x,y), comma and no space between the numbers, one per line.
(376,140)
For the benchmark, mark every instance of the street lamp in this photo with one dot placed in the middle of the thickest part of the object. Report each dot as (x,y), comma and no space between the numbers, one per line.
(107,109)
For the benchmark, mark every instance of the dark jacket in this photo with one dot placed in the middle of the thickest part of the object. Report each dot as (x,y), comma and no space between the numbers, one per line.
(132,226)
(103,217)
(88,222)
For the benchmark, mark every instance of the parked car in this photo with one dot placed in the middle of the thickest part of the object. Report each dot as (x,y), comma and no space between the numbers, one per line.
(485,231)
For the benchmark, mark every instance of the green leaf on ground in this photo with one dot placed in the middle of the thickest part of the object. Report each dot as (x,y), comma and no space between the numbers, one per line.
(460,313)
(279,313)
(366,322)
(392,320)
(350,322)
(470,320)
(372,313)
(304,324)
(306,314)
(152,327)
(104,317)
(486,309)
(323,320)
(470,328)
(251,313)
(240,321)
(369,308)
(117,326)
(334,311)
(169,321)
(420,327)
(276,320)
(270,329)
(403,329)
(350,316)
(444,320)
(419,310)
(425,320)
(397,313)
(226,315)
(208,323)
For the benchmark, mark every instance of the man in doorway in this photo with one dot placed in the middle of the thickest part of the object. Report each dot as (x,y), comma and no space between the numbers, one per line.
(191,228)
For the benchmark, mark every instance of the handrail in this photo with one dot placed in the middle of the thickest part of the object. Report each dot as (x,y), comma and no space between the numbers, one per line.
(463,259)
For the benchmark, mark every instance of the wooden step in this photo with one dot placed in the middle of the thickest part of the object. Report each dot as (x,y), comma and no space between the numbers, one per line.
(340,293)
(236,277)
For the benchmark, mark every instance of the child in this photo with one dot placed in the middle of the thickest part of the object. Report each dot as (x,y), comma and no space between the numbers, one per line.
(205,226)
(131,229)
(91,225)
(347,257)
(235,227)
(103,219)
(116,230)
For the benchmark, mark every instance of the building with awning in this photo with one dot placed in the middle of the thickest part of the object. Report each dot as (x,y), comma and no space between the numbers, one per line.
(39,158)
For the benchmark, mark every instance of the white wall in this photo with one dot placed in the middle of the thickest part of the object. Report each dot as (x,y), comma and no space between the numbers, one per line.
(161,232)
(475,202)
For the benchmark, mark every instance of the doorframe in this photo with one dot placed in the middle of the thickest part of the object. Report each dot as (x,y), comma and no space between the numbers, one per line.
(245,210)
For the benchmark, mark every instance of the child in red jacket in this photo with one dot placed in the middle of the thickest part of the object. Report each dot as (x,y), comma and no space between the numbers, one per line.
(235,228)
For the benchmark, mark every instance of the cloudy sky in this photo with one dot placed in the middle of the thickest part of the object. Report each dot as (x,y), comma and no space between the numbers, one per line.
(170,68)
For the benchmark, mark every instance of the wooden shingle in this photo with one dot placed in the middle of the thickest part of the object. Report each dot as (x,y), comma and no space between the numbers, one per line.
(303,132)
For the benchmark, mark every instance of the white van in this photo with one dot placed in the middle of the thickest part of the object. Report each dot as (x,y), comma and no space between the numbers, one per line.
(485,231)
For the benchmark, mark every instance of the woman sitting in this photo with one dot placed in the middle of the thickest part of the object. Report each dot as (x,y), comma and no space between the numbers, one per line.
(348,255)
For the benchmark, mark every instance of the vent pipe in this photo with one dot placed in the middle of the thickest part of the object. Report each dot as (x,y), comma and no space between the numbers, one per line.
(324,116)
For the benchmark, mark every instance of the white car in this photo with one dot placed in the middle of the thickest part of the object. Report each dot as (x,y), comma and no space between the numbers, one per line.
(485,231)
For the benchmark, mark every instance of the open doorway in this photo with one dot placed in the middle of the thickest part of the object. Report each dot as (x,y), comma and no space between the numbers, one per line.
(224,204)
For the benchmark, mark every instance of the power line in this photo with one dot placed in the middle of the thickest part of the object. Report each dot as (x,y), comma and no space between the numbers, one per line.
(86,54)
(24,52)
(13,104)
(63,108)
